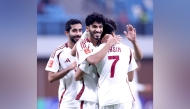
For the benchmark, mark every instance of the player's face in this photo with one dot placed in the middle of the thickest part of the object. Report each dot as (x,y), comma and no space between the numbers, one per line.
(75,32)
(96,30)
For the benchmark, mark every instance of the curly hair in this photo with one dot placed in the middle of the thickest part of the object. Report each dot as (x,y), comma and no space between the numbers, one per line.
(71,22)
(94,17)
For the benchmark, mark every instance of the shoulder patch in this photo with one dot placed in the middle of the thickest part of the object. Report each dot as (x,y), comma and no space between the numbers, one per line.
(50,63)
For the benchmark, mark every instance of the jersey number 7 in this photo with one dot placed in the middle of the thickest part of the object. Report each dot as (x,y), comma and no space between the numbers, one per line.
(116,58)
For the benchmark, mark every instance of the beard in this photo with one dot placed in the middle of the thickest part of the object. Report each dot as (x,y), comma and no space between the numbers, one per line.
(72,38)
(92,34)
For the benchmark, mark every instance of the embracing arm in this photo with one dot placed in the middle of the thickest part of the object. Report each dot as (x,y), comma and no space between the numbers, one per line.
(52,76)
(97,57)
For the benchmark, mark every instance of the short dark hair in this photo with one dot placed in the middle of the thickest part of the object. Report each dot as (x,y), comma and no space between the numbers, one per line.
(71,22)
(94,17)
(108,29)
(111,22)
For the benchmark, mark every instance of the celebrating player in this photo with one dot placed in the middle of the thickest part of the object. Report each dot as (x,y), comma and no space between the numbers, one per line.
(61,67)
(114,92)
(87,92)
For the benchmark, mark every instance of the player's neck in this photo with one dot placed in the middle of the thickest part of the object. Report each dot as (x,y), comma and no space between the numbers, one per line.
(70,44)
(93,41)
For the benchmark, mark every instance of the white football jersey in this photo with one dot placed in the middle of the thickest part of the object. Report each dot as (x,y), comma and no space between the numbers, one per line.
(88,88)
(113,69)
(59,60)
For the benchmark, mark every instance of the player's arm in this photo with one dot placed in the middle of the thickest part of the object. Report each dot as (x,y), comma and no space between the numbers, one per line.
(79,74)
(97,57)
(130,76)
(80,71)
(53,76)
(131,36)
(137,52)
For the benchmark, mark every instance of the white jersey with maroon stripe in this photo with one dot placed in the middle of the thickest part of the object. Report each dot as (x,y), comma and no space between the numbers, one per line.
(88,88)
(59,60)
(113,69)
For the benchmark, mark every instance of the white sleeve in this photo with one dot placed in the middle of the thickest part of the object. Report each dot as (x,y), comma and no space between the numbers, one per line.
(133,64)
(83,51)
(52,65)
(132,50)
(84,67)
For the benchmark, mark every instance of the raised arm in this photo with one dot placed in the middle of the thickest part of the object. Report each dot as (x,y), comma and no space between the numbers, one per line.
(131,36)
(53,76)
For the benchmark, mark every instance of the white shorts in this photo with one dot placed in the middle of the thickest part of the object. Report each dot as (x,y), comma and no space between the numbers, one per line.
(88,105)
(127,105)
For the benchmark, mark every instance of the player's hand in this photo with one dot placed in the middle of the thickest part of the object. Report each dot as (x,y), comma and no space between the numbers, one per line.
(148,87)
(73,65)
(114,40)
(105,38)
(131,35)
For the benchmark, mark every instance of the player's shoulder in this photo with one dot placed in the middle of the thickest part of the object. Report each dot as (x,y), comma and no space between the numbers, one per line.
(131,49)
(126,47)
(59,49)
(83,43)
(123,45)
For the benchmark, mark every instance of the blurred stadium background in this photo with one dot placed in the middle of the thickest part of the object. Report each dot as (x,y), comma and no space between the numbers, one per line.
(51,18)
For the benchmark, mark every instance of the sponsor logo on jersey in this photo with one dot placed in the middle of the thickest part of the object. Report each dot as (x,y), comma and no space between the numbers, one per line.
(87,51)
(50,64)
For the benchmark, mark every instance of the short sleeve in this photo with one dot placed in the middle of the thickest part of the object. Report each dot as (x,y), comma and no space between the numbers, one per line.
(52,65)
(84,67)
(132,64)
(132,50)
(84,49)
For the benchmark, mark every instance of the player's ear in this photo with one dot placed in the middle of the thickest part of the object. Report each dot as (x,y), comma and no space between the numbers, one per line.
(87,28)
(66,33)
